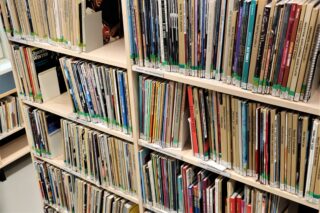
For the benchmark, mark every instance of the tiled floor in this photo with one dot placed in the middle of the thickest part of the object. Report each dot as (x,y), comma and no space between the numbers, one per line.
(20,192)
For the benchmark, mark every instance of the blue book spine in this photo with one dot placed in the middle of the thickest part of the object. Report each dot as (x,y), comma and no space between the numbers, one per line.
(71,90)
(203,37)
(244,128)
(52,187)
(261,156)
(141,175)
(130,25)
(246,64)
(180,194)
(122,101)
(190,198)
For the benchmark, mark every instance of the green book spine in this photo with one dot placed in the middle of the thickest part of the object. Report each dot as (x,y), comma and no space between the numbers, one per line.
(246,64)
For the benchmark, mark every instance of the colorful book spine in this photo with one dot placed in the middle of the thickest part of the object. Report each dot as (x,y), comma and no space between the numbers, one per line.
(250,30)
(235,77)
(193,123)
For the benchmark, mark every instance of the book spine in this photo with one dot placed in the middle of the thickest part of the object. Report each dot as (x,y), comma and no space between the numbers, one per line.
(221,40)
(305,58)
(250,30)
(262,41)
(313,67)
(293,25)
(209,54)
(235,77)
(283,76)
(193,123)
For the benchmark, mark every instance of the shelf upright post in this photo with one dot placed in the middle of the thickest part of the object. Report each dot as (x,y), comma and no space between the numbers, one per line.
(132,76)
(10,56)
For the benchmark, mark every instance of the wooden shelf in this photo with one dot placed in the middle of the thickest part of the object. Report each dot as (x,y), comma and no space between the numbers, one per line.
(154,209)
(187,156)
(311,107)
(113,53)
(13,150)
(58,162)
(10,92)
(62,106)
(7,134)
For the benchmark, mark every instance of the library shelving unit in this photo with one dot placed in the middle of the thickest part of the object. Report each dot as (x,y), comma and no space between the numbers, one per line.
(15,145)
(117,54)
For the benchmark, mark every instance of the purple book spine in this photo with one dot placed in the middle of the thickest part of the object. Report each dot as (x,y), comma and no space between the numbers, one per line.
(238,42)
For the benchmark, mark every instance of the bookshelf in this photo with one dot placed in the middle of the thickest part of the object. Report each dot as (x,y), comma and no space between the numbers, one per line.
(10,92)
(11,132)
(187,156)
(62,106)
(117,54)
(311,107)
(111,54)
(17,147)
(59,163)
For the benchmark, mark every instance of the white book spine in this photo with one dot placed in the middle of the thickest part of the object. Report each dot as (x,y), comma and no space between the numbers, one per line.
(311,157)
(209,49)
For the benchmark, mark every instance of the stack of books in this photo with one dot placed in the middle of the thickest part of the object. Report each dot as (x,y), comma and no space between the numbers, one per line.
(76,25)
(171,185)
(162,112)
(36,69)
(253,139)
(267,46)
(99,93)
(46,132)
(71,194)
(107,160)
(10,115)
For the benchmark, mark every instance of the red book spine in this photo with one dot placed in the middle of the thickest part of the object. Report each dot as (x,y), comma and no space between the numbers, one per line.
(282,73)
(193,123)
(249,209)
(26,58)
(204,194)
(233,205)
(185,188)
(164,182)
(239,203)
(292,41)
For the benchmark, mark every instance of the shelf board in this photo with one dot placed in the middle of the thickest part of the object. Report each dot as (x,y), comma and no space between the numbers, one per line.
(154,209)
(311,107)
(58,162)
(62,106)
(112,53)
(10,92)
(5,66)
(187,156)
(13,150)
(11,132)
